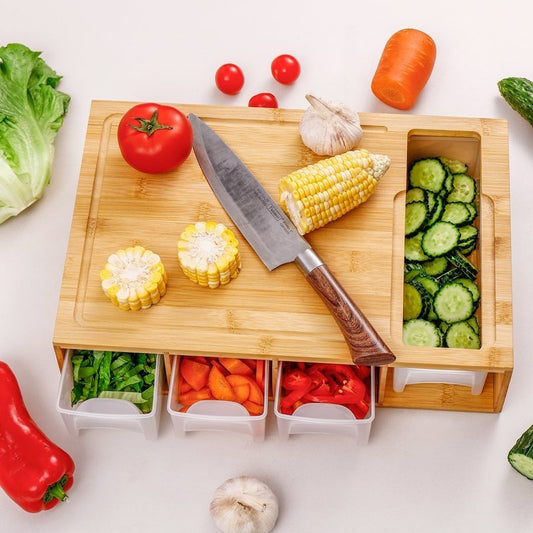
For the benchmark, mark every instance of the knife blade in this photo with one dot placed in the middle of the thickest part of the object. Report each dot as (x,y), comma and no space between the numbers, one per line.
(276,241)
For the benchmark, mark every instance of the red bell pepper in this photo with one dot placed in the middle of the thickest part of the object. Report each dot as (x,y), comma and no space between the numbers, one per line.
(34,472)
(325,383)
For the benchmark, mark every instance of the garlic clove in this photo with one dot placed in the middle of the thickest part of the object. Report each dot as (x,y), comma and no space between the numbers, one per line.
(329,128)
(244,505)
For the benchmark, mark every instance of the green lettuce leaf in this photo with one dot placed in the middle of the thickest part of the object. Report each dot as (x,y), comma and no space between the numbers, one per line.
(31,114)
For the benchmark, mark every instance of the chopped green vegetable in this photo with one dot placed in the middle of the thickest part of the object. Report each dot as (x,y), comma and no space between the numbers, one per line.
(31,114)
(107,374)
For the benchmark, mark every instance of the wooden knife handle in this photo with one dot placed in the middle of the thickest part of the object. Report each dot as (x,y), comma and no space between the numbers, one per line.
(366,346)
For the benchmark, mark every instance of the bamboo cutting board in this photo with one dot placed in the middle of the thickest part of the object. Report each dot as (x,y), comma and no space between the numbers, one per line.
(276,315)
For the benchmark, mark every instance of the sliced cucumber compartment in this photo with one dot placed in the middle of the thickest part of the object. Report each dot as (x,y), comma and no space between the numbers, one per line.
(441,292)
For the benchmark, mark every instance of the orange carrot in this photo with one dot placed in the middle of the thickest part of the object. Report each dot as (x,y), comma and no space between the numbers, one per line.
(404,68)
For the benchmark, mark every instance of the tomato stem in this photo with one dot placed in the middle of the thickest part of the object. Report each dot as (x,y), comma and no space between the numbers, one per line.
(149,126)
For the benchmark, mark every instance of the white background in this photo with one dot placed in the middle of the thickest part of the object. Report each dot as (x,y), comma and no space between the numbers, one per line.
(422,470)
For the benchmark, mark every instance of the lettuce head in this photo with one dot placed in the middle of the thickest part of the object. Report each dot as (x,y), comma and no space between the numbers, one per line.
(31,113)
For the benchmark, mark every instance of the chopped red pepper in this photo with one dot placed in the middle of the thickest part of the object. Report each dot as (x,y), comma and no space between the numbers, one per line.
(325,383)
(34,472)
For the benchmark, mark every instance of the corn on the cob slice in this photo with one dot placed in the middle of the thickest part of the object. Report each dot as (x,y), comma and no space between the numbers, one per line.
(324,191)
(208,254)
(134,278)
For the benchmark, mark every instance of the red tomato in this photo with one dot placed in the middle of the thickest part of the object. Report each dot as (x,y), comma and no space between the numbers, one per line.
(285,69)
(229,78)
(263,100)
(154,138)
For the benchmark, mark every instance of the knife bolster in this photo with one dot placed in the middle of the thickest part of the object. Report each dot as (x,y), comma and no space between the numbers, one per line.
(308,260)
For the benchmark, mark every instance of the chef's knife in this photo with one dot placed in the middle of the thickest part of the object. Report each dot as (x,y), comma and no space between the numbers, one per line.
(276,240)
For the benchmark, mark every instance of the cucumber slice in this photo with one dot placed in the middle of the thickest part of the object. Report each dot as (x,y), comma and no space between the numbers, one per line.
(413,248)
(428,174)
(430,284)
(416,194)
(440,239)
(462,263)
(438,208)
(466,251)
(448,184)
(450,275)
(412,270)
(413,303)
(473,211)
(453,303)
(415,217)
(474,324)
(462,335)
(455,166)
(420,332)
(431,200)
(468,232)
(463,189)
(471,286)
(436,266)
(456,212)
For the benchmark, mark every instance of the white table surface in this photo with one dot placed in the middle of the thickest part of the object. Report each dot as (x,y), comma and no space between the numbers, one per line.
(421,470)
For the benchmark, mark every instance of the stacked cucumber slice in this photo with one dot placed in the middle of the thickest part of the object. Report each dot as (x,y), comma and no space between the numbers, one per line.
(441,294)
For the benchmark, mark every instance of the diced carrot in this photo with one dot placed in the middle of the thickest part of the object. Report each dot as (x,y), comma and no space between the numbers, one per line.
(256,394)
(253,408)
(260,374)
(188,398)
(241,387)
(235,366)
(219,385)
(222,368)
(194,373)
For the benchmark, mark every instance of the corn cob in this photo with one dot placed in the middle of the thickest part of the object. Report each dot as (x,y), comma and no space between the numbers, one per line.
(324,191)
(134,278)
(208,254)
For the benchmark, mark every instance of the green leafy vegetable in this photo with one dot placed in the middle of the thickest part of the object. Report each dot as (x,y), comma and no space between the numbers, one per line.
(106,374)
(31,114)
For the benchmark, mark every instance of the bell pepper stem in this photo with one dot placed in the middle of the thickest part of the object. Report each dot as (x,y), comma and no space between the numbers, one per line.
(55,491)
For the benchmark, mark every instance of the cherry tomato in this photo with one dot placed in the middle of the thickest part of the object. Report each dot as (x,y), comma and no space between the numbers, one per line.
(263,100)
(154,138)
(229,78)
(285,69)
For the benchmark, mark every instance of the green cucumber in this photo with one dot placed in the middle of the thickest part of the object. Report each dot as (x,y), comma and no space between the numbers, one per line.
(453,303)
(428,174)
(518,93)
(462,335)
(520,456)
(436,266)
(441,207)
(455,166)
(416,194)
(415,217)
(413,248)
(420,332)
(440,239)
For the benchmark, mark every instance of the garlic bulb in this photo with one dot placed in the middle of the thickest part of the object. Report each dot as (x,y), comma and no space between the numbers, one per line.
(329,128)
(244,505)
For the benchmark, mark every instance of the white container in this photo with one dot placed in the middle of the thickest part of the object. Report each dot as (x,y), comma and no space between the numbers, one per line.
(108,412)
(215,415)
(324,418)
(470,378)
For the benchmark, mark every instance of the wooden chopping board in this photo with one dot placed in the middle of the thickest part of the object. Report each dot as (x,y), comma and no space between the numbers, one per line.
(261,313)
